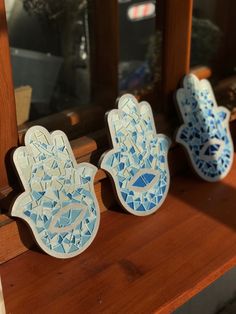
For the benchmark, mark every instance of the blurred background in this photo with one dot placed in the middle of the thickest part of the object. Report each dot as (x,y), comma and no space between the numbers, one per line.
(50,50)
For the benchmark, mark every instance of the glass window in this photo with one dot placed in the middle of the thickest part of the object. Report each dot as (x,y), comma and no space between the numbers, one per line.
(140,45)
(213,44)
(50,53)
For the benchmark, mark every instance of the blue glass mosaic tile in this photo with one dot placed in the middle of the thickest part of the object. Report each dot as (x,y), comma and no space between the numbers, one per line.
(205,133)
(137,163)
(59,203)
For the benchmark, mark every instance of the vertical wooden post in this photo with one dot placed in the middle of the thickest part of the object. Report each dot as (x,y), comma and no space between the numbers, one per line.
(8,124)
(177,44)
(104,46)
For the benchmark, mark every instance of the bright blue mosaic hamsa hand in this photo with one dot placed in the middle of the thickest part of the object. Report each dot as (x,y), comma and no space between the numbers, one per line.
(59,203)
(137,163)
(205,133)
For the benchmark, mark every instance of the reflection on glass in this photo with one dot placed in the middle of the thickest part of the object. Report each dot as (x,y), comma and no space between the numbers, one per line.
(206,34)
(49,52)
(140,44)
(213,44)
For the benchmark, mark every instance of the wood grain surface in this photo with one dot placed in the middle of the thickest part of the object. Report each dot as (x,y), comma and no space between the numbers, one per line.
(135,264)
(8,125)
(104,51)
(177,45)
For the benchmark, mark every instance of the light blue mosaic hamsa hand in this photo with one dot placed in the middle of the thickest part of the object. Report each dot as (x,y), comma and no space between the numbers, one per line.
(205,133)
(59,203)
(138,161)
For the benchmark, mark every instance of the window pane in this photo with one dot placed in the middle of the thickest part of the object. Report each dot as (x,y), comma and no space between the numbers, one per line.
(214,45)
(140,45)
(49,53)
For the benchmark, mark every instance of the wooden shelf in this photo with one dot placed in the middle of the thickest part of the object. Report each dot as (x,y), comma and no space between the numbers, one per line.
(135,264)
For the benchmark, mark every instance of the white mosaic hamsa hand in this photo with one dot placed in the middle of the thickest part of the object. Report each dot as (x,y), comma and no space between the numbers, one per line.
(205,133)
(59,202)
(138,161)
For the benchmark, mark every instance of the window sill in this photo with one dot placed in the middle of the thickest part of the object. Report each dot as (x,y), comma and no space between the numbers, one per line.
(159,261)
(14,236)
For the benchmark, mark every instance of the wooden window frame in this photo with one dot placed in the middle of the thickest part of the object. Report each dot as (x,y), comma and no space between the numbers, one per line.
(104,46)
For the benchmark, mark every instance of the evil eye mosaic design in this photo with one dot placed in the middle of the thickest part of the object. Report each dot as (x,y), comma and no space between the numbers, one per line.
(138,161)
(59,202)
(205,132)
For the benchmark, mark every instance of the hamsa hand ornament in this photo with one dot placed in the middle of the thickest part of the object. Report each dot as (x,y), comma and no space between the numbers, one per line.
(59,203)
(205,133)
(137,163)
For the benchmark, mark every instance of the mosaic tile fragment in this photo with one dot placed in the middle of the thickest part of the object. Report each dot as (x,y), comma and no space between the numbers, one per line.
(137,163)
(59,203)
